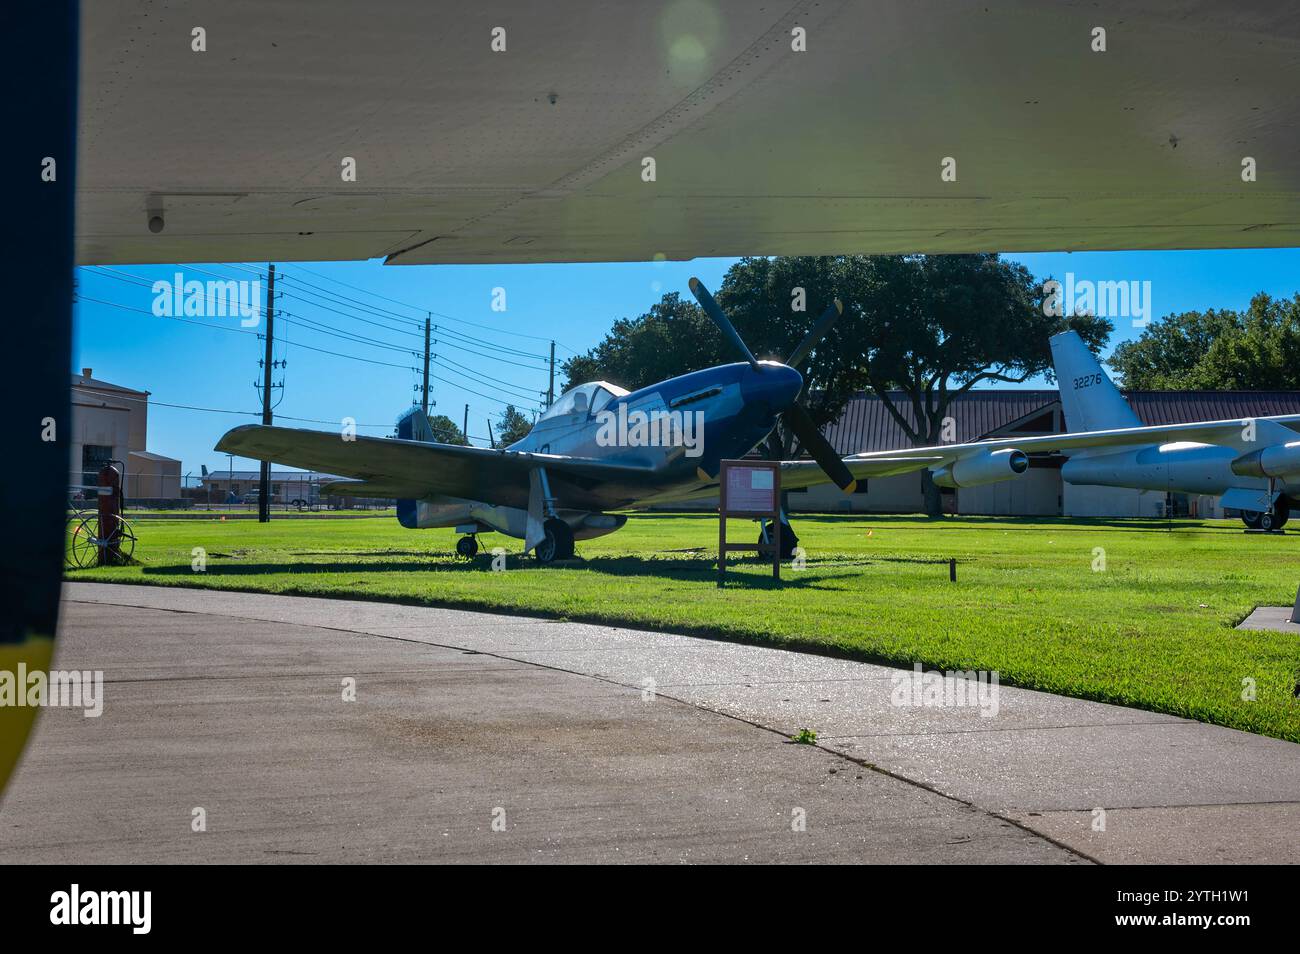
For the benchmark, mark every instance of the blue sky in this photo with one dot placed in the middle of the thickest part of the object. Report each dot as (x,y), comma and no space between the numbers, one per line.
(499,354)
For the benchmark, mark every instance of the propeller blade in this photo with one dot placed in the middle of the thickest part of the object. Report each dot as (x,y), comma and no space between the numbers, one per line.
(720,319)
(797,419)
(818,332)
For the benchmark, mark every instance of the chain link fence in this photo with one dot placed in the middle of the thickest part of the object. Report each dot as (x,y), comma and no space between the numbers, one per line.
(237,493)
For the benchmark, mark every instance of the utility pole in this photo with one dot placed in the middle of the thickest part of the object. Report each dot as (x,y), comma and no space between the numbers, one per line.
(264,492)
(550,388)
(465,429)
(424,404)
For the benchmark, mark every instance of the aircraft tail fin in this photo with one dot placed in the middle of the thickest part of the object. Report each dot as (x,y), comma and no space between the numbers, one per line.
(412,426)
(1090,400)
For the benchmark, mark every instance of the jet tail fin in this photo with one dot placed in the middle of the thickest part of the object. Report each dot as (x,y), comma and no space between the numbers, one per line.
(1090,400)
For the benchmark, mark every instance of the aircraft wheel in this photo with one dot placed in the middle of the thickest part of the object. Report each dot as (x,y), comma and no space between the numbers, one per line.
(1250,518)
(789,540)
(1281,512)
(467,547)
(558,543)
(1267,521)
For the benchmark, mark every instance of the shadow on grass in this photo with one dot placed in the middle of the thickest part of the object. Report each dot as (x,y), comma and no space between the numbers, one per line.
(686,570)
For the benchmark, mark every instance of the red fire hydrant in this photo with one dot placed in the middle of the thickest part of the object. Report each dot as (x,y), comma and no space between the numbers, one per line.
(110,514)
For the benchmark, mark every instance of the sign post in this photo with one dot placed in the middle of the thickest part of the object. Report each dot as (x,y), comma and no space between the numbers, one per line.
(749,488)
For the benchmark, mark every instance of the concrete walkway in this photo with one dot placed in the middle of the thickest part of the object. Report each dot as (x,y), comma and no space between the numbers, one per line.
(1271,617)
(588,743)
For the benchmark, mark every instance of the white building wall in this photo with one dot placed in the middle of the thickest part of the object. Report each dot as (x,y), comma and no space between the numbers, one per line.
(103,426)
(1036,494)
(1085,501)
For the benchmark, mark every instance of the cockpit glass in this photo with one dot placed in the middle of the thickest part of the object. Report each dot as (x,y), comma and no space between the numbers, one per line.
(585,399)
(601,398)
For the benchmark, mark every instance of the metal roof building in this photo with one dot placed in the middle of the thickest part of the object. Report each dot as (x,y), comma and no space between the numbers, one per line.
(867,425)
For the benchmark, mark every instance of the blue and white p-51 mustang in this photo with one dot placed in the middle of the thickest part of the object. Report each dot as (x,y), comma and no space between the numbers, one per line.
(600,448)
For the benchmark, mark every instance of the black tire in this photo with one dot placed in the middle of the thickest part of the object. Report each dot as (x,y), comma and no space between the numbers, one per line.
(1281,512)
(1267,521)
(557,544)
(1250,518)
(467,547)
(789,540)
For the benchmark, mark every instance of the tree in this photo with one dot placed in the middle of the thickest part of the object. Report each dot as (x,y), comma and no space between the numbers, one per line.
(774,303)
(1217,349)
(445,430)
(673,337)
(931,327)
(937,326)
(511,426)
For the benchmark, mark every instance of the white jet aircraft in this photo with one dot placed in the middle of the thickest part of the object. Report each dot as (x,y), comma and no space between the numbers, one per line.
(1252,464)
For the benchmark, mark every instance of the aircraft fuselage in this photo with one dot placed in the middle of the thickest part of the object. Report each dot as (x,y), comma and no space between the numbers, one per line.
(681,428)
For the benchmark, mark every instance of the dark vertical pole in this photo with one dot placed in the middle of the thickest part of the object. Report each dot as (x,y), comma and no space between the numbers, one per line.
(424,402)
(40,176)
(776,523)
(550,387)
(465,427)
(264,494)
(722,526)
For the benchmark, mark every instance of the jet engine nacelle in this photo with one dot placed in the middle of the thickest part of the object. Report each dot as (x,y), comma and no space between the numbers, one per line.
(986,468)
(1273,461)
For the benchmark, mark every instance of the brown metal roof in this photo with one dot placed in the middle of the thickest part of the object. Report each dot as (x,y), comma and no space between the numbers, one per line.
(1173,407)
(867,426)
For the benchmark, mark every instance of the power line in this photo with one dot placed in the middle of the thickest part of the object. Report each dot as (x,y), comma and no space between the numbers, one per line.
(519,393)
(247,331)
(395,301)
(444,332)
(221,410)
(473,375)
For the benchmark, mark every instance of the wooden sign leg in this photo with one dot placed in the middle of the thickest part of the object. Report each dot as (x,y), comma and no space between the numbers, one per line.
(776,548)
(722,548)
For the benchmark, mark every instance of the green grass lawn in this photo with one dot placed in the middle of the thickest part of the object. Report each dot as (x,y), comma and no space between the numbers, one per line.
(1153,629)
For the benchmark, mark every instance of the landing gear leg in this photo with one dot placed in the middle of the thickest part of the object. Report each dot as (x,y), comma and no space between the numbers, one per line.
(467,547)
(556,542)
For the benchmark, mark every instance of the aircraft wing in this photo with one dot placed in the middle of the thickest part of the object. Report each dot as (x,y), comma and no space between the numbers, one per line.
(415,469)
(519,131)
(1231,433)
(806,473)
(1267,430)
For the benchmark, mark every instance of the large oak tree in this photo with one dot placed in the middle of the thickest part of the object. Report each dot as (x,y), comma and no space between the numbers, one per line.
(1258,349)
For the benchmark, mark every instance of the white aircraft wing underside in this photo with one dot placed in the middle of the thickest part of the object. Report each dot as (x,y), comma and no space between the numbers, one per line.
(536,154)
